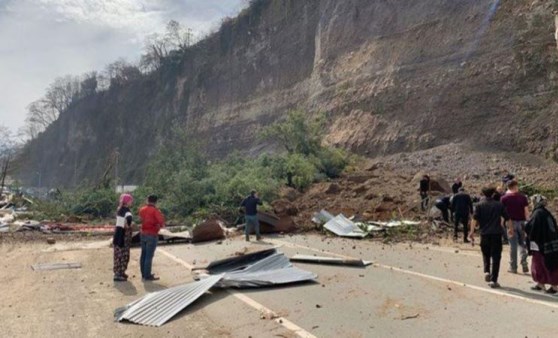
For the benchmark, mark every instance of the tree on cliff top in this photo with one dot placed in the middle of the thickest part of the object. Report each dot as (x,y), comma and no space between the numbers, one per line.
(8,146)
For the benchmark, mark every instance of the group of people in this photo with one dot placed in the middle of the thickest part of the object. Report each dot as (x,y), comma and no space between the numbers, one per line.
(503,215)
(534,234)
(458,207)
(152,221)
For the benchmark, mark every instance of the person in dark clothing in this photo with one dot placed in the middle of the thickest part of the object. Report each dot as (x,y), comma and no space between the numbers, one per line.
(488,215)
(443,204)
(424,189)
(542,240)
(250,205)
(497,196)
(507,178)
(456,185)
(462,206)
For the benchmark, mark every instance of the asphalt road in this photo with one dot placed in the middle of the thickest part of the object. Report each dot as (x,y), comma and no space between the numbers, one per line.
(411,290)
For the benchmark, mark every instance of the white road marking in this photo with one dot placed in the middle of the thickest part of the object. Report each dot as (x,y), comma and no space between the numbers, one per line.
(422,275)
(249,301)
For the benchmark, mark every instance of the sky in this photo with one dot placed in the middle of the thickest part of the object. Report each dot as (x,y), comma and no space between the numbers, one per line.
(44,39)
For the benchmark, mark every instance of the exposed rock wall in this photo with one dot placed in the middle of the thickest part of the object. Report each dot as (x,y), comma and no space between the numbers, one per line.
(391,75)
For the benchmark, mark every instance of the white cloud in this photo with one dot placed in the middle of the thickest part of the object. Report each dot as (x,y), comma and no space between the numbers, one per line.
(43,39)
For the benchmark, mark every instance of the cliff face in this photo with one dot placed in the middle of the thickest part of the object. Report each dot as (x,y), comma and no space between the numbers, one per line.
(391,75)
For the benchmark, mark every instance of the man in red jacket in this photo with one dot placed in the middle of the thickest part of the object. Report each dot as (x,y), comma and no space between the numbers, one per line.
(151,222)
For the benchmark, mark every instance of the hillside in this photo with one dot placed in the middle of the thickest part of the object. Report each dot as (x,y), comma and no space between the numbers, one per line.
(392,76)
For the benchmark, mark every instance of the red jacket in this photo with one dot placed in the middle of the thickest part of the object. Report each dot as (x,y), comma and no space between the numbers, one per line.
(151,220)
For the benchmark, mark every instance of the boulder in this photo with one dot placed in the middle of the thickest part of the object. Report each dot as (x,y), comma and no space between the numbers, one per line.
(289,194)
(284,207)
(333,189)
(437,183)
(271,223)
(209,230)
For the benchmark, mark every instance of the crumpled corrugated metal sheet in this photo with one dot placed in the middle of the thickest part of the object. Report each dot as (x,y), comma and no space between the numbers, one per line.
(156,308)
(262,268)
(342,226)
(330,260)
(272,270)
(238,262)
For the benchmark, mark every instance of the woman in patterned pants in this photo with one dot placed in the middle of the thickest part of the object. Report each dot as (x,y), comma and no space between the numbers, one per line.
(122,238)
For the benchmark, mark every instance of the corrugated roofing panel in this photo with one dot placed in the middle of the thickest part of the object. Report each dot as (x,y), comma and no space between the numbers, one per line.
(329,260)
(55,266)
(342,226)
(157,308)
(272,270)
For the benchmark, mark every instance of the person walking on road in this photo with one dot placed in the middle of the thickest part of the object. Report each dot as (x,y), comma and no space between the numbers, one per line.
(250,205)
(424,190)
(542,237)
(151,222)
(122,239)
(488,214)
(462,206)
(517,206)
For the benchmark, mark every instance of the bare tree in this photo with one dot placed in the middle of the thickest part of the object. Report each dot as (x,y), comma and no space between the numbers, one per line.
(121,71)
(157,47)
(59,96)
(7,152)
(88,84)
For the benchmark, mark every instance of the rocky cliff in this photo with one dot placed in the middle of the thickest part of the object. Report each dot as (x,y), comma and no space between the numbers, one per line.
(391,76)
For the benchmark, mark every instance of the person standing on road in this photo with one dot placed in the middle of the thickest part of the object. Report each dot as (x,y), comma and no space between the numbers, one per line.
(542,236)
(122,239)
(462,206)
(151,222)
(250,205)
(517,206)
(488,214)
(424,190)
(457,184)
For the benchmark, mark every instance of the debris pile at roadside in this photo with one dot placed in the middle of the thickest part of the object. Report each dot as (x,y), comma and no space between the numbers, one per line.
(345,227)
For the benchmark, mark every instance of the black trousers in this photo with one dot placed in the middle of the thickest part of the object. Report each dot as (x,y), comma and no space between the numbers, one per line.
(491,247)
(445,213)
(463,219)
(424,200)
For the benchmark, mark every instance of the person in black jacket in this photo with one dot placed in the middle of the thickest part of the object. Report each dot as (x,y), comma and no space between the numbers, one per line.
(122,239)
(488,214)
(250,206)
(456,185)
(443,204)
(462,206)
(424,190)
